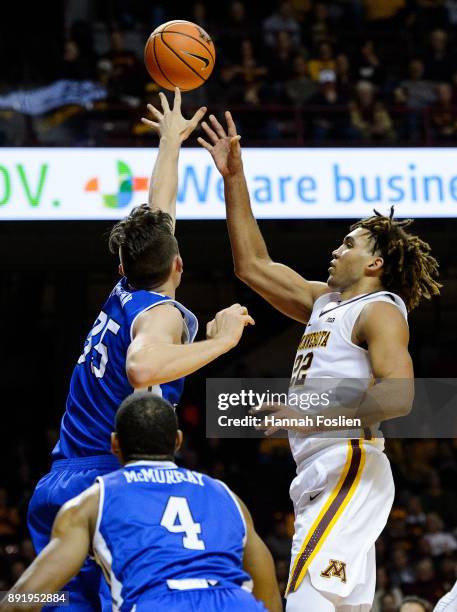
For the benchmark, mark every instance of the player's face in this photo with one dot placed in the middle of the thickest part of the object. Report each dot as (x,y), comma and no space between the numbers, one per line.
(350,260)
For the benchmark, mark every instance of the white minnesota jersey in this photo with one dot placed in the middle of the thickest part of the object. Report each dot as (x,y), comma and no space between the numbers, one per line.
(327,351)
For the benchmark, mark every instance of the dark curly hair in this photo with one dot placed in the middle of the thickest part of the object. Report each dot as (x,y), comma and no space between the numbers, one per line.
(147,246)
(409,268)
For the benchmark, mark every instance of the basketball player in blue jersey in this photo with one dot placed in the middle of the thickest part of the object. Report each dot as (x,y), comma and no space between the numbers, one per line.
(141,339)
(167,538)
(356,328)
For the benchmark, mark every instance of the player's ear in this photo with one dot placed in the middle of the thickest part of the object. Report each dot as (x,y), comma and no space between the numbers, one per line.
(115,448)
(179,264)
(376,265)
(179,439)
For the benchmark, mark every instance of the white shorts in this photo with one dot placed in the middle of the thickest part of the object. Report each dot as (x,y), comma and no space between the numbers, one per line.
(342,499)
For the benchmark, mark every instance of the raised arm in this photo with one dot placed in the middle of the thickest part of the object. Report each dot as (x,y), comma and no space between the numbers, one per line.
(156,354)
(173,129)
(258,563)
(65,554)
(281,286)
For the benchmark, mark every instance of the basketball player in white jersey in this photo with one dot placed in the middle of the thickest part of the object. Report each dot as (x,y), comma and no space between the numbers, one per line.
(356,328)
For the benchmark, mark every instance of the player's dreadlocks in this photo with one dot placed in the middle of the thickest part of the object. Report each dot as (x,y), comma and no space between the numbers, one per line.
(409,268)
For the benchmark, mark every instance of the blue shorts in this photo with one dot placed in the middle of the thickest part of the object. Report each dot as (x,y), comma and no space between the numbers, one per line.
(88,591)
(200,600)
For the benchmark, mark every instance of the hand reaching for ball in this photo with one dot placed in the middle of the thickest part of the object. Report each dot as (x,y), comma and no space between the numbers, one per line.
(224,146)
(170,123)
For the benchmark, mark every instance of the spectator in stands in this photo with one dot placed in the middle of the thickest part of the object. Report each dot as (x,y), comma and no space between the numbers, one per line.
(435,498)
(323,61)
(417,92)
(401,570)
(9,517)
(440,64)
(388,603)
(416,517)
(331,121)
(344,77)
(76,65)
(283,19)
(279,541)
(368,64)
(128,74)
(426,584)
(249,72)
(235,29)
(440,541)
(384,587)
(369,117)
(300,88)
(199,15)
(414,604)
(319,29)
(280,60)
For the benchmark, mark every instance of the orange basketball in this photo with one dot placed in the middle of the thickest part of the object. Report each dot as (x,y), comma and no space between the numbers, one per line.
(179,54)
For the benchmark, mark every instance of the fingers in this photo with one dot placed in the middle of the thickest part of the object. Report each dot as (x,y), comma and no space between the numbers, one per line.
(164,102)
(210,133)
(217,127)
(198,116)
(204,144)
(177,100)
(248,320)
(235,144)
(152,124)
(231,127)
(154,111)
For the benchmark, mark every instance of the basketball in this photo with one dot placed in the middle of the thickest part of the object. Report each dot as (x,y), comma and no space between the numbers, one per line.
(179,54)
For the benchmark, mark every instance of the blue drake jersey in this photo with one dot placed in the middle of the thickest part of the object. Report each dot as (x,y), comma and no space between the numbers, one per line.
(158,523)
(99,382)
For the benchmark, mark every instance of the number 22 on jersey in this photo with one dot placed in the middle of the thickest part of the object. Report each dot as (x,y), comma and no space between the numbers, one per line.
(102,326)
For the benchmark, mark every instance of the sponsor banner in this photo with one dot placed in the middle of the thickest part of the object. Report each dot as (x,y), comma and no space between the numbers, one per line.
(92,183)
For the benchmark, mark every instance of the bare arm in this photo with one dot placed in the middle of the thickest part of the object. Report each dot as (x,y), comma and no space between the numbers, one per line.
(66,552)
(383,328)
(156,354)
(173,130)
(281,286)
(258,563)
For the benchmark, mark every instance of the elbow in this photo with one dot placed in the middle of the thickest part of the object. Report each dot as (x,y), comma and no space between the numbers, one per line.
(139,377)
(245,271)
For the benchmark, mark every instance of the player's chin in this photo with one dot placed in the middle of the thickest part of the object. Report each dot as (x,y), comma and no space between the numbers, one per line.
(331,281)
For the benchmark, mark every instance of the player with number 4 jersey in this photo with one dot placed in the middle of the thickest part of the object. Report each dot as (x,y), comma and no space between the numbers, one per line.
(166,538)
(142,339)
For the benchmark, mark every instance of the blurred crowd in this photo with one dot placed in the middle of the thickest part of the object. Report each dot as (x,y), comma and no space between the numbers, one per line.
(416,554)
(293,71)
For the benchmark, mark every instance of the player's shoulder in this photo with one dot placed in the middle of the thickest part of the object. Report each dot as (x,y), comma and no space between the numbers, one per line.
(384,304)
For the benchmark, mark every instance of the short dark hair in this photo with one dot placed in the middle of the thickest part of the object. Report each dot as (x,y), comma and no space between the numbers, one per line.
(147,246)
(146,425)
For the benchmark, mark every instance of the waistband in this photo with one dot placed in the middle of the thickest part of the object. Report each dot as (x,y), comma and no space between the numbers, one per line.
(96,462)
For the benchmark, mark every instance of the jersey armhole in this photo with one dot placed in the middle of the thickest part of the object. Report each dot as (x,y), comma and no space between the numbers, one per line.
(101,502)
(243,520)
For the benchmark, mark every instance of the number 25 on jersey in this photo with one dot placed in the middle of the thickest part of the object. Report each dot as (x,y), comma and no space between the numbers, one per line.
(102,326)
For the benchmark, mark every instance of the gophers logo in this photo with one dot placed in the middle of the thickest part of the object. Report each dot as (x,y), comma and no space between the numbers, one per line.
(336,569)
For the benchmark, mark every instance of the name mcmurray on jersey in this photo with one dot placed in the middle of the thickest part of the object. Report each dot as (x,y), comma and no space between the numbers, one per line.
(163,476)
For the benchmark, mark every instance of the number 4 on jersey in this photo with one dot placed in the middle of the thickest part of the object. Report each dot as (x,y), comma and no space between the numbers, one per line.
(177,518)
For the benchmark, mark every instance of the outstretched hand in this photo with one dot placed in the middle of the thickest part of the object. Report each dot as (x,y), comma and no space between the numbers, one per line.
(224,146)
(170,123)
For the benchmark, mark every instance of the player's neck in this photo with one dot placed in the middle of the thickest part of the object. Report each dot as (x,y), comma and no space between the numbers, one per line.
(360,288)
(166,289)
